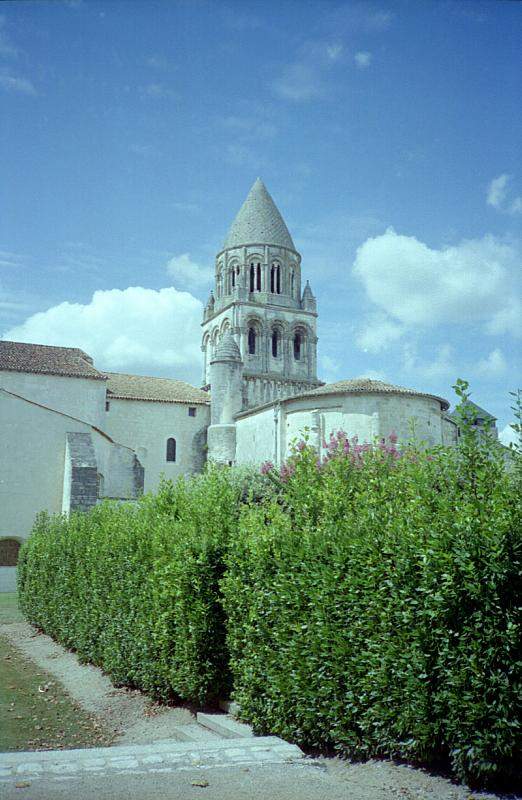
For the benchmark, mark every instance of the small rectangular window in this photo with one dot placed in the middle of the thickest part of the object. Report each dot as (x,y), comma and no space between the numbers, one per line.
(107,405)
(192,412)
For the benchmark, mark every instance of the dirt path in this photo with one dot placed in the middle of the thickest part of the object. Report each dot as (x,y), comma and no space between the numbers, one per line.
(132,717)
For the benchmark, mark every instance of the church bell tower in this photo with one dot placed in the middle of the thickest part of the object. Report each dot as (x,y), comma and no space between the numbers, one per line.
(258,300)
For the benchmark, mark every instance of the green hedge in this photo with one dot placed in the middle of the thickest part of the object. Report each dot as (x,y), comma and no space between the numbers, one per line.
(367,604)
(134,589)
(375,611)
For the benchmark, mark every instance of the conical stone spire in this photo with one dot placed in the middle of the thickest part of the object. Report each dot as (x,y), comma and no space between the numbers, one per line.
(259,222)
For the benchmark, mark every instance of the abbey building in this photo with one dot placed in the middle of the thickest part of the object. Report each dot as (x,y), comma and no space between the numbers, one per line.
(72,434)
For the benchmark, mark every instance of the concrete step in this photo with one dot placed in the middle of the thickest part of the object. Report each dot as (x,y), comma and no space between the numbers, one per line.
(230,707)
(162,756)
(194,733)
(225,725)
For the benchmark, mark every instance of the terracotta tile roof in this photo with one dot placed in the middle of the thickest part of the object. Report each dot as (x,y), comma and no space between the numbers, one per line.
(47,360)
(162,390)
(367,385)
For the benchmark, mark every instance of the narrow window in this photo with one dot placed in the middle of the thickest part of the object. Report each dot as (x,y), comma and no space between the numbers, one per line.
(233,277)
(251,341)
(278,273)
(259,277)
(252,277)
(292,281)
(107,405)
(275,342)
(192,412)
(297,346)
(171,449)
(272,282)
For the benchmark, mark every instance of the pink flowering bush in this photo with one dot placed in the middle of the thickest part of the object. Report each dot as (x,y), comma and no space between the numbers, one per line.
(372,605)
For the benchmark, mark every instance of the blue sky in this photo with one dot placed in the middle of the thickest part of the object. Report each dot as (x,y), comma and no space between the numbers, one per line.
(389,135)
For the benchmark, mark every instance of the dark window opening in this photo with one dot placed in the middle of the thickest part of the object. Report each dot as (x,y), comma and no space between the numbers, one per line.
(252,277)
(107,405)
(278,282)
(251,341)
(272,282)
(297,346)
(275,344)
(233,278)
(192,412)
(9,549)
(171,449)
(259,277)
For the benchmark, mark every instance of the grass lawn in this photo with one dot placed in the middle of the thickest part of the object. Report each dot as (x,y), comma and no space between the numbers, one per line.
(9,611)
(35,711)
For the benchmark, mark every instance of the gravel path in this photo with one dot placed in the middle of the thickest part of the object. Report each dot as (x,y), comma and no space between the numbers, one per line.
(133,717)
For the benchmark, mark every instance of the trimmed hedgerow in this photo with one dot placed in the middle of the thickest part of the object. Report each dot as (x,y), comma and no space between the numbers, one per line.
(368,602)
(134,589)
(374,611)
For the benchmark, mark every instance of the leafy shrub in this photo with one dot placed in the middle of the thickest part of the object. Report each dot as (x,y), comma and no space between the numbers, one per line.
(374,610)
(134,589)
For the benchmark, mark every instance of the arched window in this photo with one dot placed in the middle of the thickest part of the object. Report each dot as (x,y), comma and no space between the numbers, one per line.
(275,344)
(171,449)
(252,277)
(251,341)
(275,279)
(297,346)
(278,279)
(259,277)
(272,278)
(233,275)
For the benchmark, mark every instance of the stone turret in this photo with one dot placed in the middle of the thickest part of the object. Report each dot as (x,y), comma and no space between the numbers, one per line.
(259,297)
(226,379)
(308,302)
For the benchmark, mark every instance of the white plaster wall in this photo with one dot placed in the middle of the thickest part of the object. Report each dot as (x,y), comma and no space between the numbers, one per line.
(7,579)
(367,416)
(83,398)
(256,437)
(145,426)
(31,463)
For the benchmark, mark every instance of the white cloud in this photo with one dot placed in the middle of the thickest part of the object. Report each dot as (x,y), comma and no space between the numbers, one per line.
(493,366)
(498,191)
(188,274)
(13,83)
(299,82)
(157,91)
(363,59)
(127,330)
(474,281)
(334,51)
(377,333)
(441,366)
(508,435)
(516,206)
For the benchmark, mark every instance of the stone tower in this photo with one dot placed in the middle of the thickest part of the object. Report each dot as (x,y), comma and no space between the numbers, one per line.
(258,299)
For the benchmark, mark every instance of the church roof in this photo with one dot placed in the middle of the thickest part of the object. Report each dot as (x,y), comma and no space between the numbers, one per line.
(162,390)
(47,360)
(368,386)
(259,222)
(227,350)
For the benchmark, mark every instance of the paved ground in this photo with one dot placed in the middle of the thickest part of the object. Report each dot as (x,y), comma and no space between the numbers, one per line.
(151,763)
(260,768)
